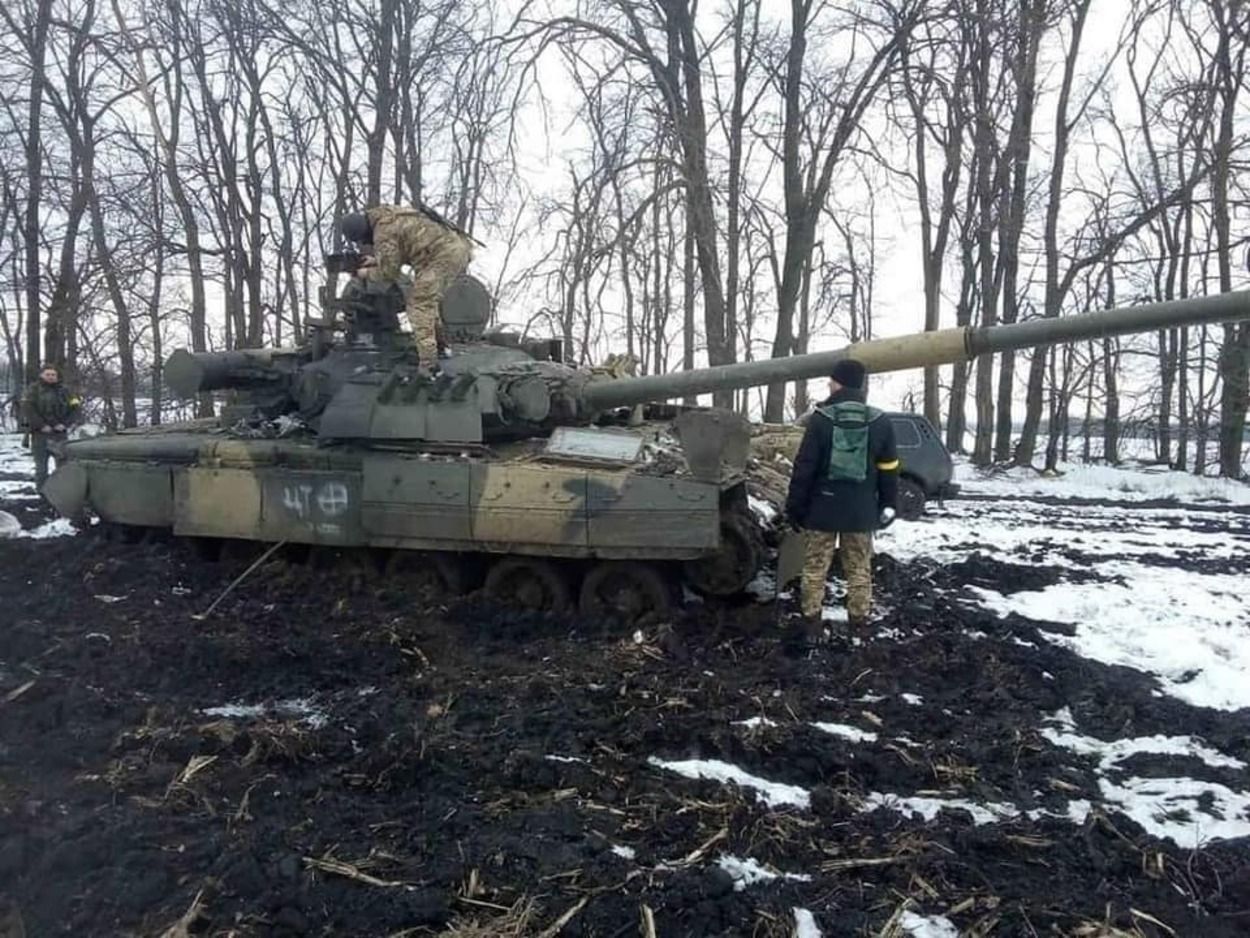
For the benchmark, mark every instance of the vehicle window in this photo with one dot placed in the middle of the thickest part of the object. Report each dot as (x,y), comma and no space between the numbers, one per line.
(905,434)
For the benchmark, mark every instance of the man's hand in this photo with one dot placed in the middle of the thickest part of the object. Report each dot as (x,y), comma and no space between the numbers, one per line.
(45,429)
(887,517)
(60,428)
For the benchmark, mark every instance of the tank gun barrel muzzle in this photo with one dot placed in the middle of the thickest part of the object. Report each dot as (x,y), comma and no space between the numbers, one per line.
(190,373)
(922,350)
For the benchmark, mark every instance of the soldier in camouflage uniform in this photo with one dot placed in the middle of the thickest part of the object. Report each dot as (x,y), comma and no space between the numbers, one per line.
(843,487)
(436,250)
(49,409)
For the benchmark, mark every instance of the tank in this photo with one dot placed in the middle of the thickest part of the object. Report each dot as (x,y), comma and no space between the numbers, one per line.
(551,485)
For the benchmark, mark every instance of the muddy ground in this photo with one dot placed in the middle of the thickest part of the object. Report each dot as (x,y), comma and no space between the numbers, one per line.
(395,774)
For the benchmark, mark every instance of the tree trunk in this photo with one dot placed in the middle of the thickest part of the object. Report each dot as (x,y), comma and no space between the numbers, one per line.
(1054,289)
(34,182)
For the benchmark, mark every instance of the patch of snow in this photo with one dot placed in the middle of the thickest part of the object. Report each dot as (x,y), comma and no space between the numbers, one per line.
(60,527)
(1115,483)
(805,924)
(1190,630)
(774,794)
(1112,753)
(853,733)
(236,711)
(914,699)
(1186,811)
(566,759)
(835,614)
(302,709)
(928,926)
(929,808)
(625,853)
(749,872)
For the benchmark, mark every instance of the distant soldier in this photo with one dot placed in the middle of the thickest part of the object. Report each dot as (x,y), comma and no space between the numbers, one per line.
(49,409)
(843,487)
(436,250)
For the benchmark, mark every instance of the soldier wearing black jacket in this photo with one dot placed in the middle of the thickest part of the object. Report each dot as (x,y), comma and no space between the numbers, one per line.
(843,487)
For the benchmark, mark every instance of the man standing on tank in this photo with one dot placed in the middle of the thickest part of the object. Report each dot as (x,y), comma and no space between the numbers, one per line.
(49,409)
(843,487)
(437,251)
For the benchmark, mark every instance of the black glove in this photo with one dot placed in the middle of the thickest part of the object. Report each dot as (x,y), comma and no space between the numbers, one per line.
(886,518)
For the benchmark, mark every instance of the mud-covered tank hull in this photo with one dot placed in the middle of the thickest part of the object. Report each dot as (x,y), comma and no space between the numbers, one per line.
(297,492)
(569,513)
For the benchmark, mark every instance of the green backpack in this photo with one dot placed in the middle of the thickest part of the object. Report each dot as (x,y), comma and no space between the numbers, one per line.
(848,450)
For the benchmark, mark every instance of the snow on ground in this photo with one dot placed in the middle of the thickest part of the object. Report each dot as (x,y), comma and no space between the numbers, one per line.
(58,527)
(774,794)
(1188,626)
(805,924)
(303,709)
(1186,811)
(928,926)
(1123,483)
(1190,630)
(853,733)
(748,872)
(14,458)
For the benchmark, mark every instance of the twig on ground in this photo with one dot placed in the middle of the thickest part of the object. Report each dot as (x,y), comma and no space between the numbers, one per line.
(18,691)
(350,871)
(647,926)
(237,580)
(695,855)
(182,927)
(554,928)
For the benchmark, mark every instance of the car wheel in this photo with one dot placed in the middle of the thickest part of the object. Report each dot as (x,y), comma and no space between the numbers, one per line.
(911,500)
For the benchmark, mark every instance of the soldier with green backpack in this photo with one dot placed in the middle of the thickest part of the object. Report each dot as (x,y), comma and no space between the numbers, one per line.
(843,487)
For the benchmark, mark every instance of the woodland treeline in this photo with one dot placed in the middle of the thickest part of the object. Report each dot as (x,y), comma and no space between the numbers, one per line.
(684,182)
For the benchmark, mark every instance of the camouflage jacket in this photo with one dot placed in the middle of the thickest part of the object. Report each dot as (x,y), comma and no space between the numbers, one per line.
(46,405)
(402,234)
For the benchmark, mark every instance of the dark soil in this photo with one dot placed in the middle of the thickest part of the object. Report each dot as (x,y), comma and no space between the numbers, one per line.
(411,792)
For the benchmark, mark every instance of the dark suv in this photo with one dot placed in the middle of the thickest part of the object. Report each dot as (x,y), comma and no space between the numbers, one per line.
(925,469)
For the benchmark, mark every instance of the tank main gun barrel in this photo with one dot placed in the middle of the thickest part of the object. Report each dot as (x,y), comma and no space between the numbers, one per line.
(190,373)
(922,349)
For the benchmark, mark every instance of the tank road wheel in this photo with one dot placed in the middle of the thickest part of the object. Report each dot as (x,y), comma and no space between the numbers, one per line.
(625,591)
(735,563)
(529,583)
(428,574)
(911,499)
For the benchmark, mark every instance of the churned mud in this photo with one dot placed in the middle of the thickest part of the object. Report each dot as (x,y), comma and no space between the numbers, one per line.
(330,755)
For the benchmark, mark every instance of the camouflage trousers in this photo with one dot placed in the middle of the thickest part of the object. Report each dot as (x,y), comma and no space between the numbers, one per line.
(444,257)
(856,552)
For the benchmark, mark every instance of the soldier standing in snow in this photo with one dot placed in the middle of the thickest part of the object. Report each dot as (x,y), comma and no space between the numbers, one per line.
(49,409)
(437,251)
(843,487)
